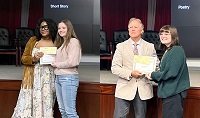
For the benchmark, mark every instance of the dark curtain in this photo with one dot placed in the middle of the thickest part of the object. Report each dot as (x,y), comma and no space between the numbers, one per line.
(116,14)
(10,12)
(35,12)
(163,13)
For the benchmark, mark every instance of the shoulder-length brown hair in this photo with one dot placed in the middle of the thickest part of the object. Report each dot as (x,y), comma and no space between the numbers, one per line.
(174,36)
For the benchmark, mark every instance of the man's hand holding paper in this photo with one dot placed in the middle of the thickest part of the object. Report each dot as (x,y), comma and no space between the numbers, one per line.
(136,74)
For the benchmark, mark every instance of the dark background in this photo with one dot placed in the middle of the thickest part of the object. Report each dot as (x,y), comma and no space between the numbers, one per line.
(188,25)
(85,17)
(115,15)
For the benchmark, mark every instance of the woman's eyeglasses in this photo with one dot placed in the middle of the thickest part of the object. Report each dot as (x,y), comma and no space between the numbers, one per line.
(45,27)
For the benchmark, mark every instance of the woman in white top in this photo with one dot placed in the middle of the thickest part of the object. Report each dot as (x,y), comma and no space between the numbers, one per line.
(37,93)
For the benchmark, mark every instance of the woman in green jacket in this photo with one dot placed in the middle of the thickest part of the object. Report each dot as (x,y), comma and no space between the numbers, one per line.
(173,76)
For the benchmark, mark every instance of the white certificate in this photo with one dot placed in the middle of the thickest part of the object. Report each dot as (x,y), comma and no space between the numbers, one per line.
(47,59)
(144,64)
(49,55)
(48,50)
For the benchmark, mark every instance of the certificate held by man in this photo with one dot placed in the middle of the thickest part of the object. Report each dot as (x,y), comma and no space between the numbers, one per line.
(49,55)
(144,64)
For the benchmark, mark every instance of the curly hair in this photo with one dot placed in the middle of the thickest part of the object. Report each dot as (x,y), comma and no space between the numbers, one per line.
(52,25)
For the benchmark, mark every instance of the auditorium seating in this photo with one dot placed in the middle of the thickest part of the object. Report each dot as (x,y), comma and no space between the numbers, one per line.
(23,34)
(119,36)
(153,37)
(8,46)
(105,49)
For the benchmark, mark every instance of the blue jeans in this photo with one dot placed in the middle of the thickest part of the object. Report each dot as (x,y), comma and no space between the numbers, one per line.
(66,91)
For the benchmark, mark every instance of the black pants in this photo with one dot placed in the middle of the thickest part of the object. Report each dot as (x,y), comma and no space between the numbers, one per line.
(172,107)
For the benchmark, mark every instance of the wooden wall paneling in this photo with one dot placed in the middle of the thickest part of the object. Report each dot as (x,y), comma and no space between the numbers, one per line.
(88,100)
(159,108)
(96,100)
(152,108)
(107,99)
(192,103)
(13,85)
(9,91)
(7,102)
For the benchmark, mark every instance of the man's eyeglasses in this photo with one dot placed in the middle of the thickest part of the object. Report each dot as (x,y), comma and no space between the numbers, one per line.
(45,27)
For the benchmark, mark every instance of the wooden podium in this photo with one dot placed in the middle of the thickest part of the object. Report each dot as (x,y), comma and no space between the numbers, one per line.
(96,100)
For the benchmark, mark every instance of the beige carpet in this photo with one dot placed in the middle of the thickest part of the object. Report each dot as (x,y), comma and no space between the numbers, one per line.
(87,72)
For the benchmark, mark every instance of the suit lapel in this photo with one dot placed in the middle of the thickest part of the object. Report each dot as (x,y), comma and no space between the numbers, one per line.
(129,48)
(144,48)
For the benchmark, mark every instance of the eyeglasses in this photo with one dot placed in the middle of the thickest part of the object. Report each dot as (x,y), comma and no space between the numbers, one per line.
(45,27)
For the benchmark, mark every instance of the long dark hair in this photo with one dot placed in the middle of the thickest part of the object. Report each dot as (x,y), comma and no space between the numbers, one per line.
(52,25)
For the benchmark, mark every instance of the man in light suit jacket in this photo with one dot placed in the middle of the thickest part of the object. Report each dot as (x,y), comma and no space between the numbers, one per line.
(132,86)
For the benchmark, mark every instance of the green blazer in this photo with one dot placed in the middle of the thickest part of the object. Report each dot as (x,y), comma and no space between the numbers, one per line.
(173,76)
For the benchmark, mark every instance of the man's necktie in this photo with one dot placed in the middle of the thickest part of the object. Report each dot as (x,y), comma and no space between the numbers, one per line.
(135,50)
